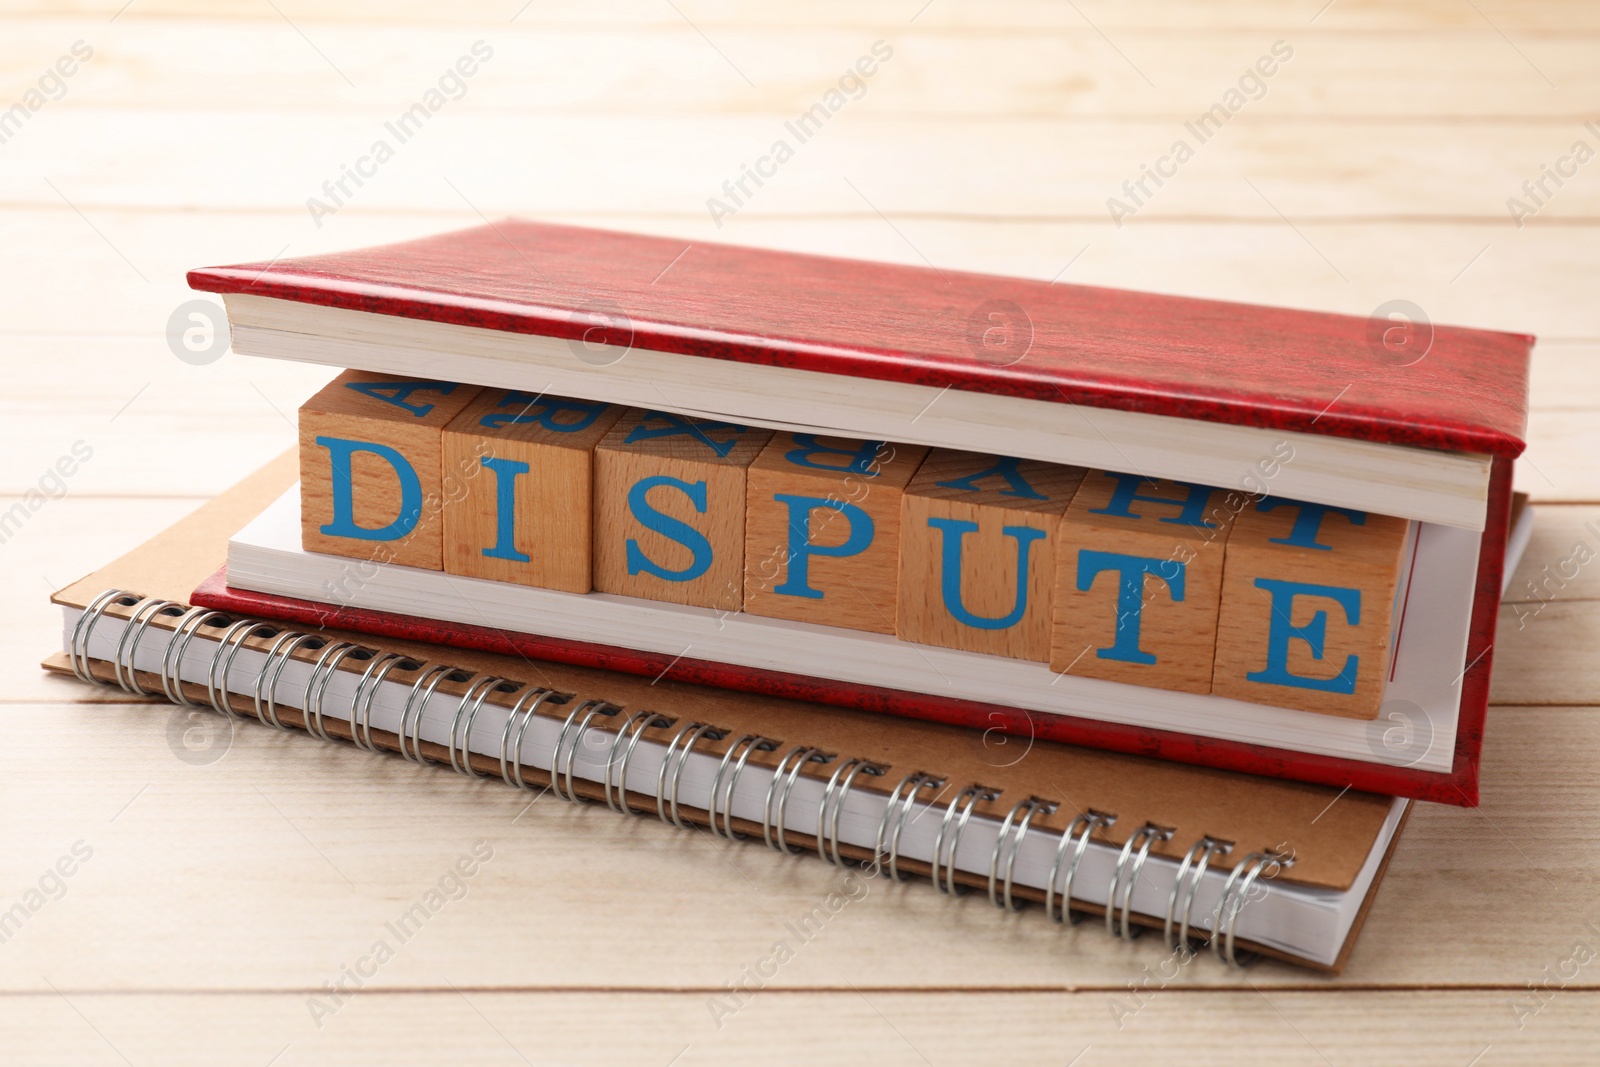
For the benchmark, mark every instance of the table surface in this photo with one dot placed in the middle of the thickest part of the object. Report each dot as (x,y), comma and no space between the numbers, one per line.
(226,911)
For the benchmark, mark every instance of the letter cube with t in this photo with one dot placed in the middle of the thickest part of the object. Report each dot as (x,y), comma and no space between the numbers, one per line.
(669,508)
(823,530)
(978,552)
(369,467)
(1138,580)
(518,477)
(1309,607)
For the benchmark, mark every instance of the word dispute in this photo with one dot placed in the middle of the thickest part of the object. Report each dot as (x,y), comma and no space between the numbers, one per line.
(1100,574)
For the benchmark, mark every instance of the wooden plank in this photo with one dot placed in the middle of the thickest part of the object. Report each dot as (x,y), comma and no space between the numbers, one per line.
(1553,16)
(1555,567)
(288,856)
(1534,280)
(667,68)
(1306,170)
(469,1027)
(1566,375)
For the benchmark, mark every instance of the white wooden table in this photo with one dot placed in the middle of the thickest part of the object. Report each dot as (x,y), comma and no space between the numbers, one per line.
(217,900)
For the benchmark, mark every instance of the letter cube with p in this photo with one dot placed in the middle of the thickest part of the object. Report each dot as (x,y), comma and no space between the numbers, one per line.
(1308,607)
(369,467)
(978,552)
(823,530)
(669,494)
(518,476)
(1138,579)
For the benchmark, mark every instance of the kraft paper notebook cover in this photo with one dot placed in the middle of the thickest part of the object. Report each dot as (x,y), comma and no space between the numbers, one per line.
(1283,868)
(1446,772)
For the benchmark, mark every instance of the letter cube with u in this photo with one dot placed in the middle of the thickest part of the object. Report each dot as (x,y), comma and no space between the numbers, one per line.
(978,552)
(1309,607)
(1138,580)
(369,467)
(669,494)
(823,530)
(518,477)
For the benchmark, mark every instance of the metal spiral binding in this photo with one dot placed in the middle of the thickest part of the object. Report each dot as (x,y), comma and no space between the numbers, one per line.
(178,647)
(410,730)
(690,735)
(122,667)
(737,755)
(628,736)
(787,773)
(904,795)
(460,748)
(1076,834)
(265,694)
(1235,894)
(897,814)
(366,689)
(1009,843)
(78,647)
(833,798)
(561,760)
(322,673)
(519,718)
(1190,872)
(228,646)
(945,859)
(1138,847)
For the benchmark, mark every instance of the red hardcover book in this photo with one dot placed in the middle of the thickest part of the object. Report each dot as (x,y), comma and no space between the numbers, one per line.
(1405,419)
(1458,786)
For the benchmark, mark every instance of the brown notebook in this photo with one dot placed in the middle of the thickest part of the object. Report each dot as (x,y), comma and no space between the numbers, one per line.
(1280,868)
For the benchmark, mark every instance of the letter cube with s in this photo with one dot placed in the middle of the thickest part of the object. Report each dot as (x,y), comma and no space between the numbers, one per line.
(369,467)
(1138,580)
(978,552)
(518,477)
(1309,607)
(669,494)
(823,530)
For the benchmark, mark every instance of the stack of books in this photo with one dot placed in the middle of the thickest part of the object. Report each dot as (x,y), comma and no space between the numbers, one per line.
(1155,609)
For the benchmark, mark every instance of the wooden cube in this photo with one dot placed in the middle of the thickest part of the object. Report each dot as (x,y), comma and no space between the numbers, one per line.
(823,530)
(1139,579)
(669,496)
(523,469)
(369,467)
(1309,607)
(978,552)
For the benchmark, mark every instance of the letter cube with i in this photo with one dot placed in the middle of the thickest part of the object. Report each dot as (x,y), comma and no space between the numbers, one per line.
(1308,607)
(978,552)
(1138,581)
(369,467)
(823,530)
(519,480)
(669,496)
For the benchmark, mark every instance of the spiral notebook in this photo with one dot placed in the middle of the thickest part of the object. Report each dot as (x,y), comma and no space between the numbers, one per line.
(1284,869)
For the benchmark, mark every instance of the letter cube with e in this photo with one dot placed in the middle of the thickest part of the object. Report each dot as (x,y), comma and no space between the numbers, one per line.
(823,530)
(369,467)
(518,477)
(669,508)
(1308,607)
(1138,580)
(978,552)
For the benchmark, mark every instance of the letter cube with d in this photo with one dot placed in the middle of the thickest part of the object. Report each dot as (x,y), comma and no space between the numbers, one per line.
(669,508)
(978,552)
(1138,580)
(369,467)
(1309,607)
(518,479)
(823,530)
